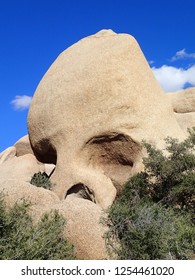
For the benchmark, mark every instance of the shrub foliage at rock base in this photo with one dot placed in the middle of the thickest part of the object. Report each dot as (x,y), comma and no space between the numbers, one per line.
(20,239)
(153,218)
(41,180)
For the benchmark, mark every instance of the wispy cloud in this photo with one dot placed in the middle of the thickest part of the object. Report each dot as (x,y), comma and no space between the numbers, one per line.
(21,102)
(174,79)
(151,62)
(182,54)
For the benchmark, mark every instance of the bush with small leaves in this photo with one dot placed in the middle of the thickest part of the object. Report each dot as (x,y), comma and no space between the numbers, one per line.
(20,239)
(147,232)
(170,179)
(41,180)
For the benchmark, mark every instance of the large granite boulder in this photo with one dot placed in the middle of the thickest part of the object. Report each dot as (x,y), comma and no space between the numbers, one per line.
(92,109)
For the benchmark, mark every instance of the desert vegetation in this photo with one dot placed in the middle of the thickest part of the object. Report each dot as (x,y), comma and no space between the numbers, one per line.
(21,239)
(153,218)
(41,180)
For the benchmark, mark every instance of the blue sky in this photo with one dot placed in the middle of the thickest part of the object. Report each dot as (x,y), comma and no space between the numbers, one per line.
(34,32)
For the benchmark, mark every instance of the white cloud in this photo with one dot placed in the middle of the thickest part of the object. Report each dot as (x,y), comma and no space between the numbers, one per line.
(21,102)
(182,54)
(174,79)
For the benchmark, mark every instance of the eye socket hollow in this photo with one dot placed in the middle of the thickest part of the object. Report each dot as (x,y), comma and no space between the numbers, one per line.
(82,191)
(114,148)
(45,152)
(116,154)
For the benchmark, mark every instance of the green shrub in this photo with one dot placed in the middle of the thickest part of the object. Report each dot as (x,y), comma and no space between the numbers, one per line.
(171,178)
(149,232)
(153,218)
(20,239)
(41,180)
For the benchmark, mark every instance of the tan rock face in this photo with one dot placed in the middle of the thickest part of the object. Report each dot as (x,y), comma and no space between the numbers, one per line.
(183,103)
(21,168)
(186,121)
(92,109)
(16,191)
(7,154)
(23,146)
(83,227)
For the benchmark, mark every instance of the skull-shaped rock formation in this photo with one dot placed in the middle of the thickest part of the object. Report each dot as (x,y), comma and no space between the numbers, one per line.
(90,112)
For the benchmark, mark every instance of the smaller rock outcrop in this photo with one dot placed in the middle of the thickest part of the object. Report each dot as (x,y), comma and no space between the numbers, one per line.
(23,146)
(183,103)
(19,168)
